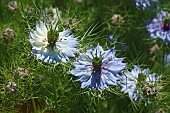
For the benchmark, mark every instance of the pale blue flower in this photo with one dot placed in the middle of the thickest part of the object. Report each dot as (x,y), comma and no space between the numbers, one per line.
(138,83)
(159,27)
(98,68)
(50,45)
(144,3)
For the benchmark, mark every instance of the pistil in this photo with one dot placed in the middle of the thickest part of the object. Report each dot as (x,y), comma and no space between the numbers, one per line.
(97,64)
(52,38)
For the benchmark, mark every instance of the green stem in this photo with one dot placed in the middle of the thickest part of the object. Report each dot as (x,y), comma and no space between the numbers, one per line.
(98,105)
(54,89)
(163,55)
(13,108)
(108,104)
(34,106)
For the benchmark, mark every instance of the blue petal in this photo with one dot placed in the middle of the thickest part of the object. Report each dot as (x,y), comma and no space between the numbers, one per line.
(98,51)
(83,78)
(110,78)
(115,67)
(95,80)
(86,84)
(109,55)
(102,83)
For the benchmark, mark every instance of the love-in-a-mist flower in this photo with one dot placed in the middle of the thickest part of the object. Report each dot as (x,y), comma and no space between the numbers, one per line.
(139,83)
(154,49)
(117,20)
(144,3)
(51,45)
(21,72)
(150,86)
(159,27)
(12,5)
(97,68)
(11,87)
(8,33)
(51,15)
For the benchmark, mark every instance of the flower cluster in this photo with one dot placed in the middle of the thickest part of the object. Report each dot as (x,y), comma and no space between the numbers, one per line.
(138,83)
(160,26)
(98,68)
(144,3)
(56,54)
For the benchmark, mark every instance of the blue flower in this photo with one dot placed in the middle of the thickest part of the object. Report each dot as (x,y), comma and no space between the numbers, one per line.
(50,45)
(144,3)
(138,83)
(98,68)
(160,27)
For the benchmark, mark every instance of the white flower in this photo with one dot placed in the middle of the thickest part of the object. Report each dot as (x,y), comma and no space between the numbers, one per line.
(50,45)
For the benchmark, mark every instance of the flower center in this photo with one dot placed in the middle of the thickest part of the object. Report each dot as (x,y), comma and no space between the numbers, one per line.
(146,88)
(166,25)
(149,88)
(97,64)
(52,37)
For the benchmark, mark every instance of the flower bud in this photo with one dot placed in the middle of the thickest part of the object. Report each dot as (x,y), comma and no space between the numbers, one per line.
(8,33)
(117,19)
(12,5)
